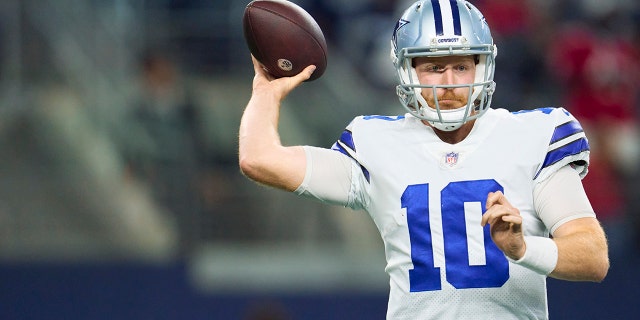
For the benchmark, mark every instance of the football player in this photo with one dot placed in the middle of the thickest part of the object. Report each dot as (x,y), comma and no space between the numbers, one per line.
(476,206)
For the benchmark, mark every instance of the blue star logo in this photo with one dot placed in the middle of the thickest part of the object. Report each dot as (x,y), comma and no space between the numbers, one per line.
(401,23)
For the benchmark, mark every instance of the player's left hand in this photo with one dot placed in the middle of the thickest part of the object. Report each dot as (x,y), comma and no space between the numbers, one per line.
(505,224)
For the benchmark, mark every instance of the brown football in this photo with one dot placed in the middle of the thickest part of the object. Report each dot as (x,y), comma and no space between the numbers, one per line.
(284,38)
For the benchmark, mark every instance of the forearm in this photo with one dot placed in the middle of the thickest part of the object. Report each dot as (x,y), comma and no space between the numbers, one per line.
(262,156)
(259,128)
(582,254)
(581,242)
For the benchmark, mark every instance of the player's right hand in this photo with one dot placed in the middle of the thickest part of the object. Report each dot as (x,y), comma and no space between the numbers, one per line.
(280,87)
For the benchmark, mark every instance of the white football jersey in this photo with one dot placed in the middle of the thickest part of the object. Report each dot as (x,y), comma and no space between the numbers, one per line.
(427,197)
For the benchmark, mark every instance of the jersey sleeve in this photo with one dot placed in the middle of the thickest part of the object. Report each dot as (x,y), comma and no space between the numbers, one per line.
(335,176)
(347,146)
(361,178)
(568,145)
(561,198)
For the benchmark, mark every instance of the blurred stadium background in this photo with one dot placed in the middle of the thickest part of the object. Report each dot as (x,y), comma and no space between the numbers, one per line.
(120,196)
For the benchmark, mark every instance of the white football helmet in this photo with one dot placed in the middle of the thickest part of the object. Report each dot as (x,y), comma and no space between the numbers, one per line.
(435,28)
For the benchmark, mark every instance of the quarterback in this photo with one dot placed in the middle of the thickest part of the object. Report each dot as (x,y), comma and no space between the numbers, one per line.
(475,206)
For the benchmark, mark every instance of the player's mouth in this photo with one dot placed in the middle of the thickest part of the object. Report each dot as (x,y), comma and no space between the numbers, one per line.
(446,103)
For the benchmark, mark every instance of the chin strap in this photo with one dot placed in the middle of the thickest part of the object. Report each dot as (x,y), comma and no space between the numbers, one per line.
(447,115)
(445,127)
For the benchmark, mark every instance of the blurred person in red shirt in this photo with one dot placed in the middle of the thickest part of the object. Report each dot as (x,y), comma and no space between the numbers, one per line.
(599,69)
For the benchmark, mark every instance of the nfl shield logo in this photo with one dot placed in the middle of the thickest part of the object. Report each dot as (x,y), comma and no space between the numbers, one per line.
(451,158)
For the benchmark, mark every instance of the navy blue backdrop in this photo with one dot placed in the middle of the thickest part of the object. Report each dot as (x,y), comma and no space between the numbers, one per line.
(139,291)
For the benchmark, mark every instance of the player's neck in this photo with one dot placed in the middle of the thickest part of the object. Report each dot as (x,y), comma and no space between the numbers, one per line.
(455,136)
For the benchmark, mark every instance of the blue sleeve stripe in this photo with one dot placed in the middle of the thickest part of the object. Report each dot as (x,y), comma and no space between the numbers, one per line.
(346,139)
(573,148)
(336,146)
(366,173)
(564,130)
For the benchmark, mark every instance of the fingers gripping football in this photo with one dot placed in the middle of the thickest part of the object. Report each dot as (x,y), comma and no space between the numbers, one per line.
(505,225)
(281,87)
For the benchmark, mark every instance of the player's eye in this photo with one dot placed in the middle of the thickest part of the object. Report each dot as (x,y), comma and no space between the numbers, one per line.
(464,67)
(431,68)
(461,68)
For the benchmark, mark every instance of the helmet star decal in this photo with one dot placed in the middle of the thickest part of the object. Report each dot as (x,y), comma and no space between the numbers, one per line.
(401,23)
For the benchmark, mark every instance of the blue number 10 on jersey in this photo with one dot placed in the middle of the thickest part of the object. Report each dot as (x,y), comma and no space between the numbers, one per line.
(460,272)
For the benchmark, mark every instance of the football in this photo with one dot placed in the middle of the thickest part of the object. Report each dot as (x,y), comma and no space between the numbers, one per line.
(284,38)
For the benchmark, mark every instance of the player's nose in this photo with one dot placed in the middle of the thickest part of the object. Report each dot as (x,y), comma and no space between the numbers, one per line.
(447,77)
